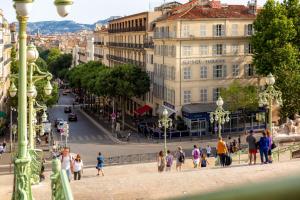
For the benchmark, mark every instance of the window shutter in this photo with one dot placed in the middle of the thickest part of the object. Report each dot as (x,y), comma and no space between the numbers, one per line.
(222,30)
(214,49)
(214,30)
(224,71)
(214,71)
(246,48)
(246,29)
(246,68)
(224,49)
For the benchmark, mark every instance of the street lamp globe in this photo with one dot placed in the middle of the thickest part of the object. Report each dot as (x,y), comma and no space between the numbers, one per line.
(220,102)
(63,7)
(30,92)
(165,113)
(270,79)
(23,7)
(32,53)
(13,90)
(48,88)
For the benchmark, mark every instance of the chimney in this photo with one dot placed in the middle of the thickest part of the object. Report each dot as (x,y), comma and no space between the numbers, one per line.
(252,7)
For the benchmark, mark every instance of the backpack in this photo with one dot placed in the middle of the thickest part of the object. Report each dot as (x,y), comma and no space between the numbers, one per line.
(196,154)
(169,161)
(203,163)
(181,157)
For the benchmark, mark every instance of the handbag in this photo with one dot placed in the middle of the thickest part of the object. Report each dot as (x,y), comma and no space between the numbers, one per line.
(273,146)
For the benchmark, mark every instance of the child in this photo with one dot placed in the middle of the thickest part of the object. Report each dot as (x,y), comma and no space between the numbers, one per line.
(204,161)
(169,160)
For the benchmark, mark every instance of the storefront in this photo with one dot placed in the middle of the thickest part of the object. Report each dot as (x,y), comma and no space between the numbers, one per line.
(197,118)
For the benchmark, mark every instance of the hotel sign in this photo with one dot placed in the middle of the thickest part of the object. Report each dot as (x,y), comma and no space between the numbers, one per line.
(193,62)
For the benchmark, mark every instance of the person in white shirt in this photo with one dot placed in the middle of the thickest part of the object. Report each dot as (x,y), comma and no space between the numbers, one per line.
(196,156)
(66,162)
(1,150)
(208,151)
(78,166)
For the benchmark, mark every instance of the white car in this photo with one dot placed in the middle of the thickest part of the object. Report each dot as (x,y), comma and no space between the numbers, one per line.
(61,125)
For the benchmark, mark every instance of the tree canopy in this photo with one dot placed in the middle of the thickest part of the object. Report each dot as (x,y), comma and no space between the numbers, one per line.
(276,45)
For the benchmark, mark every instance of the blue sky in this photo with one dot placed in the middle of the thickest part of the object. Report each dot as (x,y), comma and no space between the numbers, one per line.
(90,11)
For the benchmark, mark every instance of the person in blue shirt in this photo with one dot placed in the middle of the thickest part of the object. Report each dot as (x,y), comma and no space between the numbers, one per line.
(263,148)
(100,164)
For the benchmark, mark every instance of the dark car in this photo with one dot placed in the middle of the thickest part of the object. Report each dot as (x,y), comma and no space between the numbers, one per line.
(56,121)
(72,117)
(67,109)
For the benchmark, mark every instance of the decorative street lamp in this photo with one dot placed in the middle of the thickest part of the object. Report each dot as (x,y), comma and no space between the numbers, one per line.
(22,187)
(166,123)
(220,115)
(269,97)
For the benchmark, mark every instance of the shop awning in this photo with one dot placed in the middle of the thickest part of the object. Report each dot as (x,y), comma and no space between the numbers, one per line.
(2,114)
(142,110)
(162,108)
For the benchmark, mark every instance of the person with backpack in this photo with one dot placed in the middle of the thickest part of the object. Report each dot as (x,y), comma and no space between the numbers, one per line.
(196,156)
(204,161)
(161,162)
(222,151)
(169,161)
(100,164)
(78,167)
(263,148)
(180,158)
(67,162)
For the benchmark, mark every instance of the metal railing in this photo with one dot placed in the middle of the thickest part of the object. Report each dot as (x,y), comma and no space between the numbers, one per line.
(36,156)
(60,185)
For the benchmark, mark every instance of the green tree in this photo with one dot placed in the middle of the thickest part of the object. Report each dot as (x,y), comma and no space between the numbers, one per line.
(59,65)
(276,49)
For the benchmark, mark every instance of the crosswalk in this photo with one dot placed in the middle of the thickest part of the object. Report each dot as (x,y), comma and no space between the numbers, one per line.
(86,138)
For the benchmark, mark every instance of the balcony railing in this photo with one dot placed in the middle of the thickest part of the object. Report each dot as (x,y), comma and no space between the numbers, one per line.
(6,46)
(61,189)
(126,45)
(149,45)
(80,53)
(126,60)
(131,29)
(99,43)
(99,56)
(196,34)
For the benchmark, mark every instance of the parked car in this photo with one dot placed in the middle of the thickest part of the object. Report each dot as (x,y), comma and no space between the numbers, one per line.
(72,117)
(67,109)
(61,125)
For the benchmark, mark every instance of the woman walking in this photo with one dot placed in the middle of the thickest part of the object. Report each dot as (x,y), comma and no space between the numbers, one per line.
(100,164)
(161,162)
(180,158)
(78,167)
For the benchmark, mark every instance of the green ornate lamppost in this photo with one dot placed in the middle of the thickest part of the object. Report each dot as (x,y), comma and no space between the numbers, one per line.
(270,96)
(22,187)
(165,122)
(219,115)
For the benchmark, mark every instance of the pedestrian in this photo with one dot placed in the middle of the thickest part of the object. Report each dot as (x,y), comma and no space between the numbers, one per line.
(263,148)
(251,140)
(1,150)
(4,145)
(100,164)
(78,167)
(204,161)
(271,146)
(161,162)
(222,151)
(239,142)
(208,151)
(169,161)
(234,146)
(180,158)
(67,162)
(196,156)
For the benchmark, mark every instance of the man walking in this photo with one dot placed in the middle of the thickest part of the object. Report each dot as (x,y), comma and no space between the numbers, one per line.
(251,140)
(222,151)
(196,156)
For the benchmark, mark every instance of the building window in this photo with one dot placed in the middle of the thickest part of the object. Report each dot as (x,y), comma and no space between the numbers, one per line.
(187,96)
(248,48)
(219,30)
(235,70)
(249,70)
(203,95)
(186,31)
(248,29)
(219,71)
(202,30)
(187,51)
(219,49)
(234,30)
(216,93)
(203,72)
(187,73)
(203,50)
(235,49)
